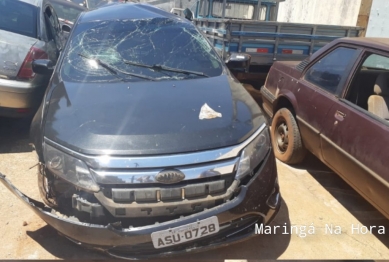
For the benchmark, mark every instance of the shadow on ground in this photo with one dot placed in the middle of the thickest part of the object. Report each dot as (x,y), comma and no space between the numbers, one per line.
(60,247)
(14,135)
(361,209)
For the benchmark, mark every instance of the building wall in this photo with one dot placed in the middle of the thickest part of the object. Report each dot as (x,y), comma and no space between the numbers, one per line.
(379,19)
(331,12)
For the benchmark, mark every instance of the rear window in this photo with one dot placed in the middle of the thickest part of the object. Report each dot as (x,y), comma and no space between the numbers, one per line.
(159,41)
(66,12)
(18,17)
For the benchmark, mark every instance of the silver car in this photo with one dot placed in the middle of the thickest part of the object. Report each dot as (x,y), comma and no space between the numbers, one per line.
(29,30)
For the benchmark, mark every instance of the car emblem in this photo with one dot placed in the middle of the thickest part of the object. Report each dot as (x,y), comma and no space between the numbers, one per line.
(170,176)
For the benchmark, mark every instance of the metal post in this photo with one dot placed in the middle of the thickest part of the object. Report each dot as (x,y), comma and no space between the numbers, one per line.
(276,11)
(224,9)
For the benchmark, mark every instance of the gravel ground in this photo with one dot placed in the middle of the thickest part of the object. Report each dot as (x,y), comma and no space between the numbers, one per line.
(312,195)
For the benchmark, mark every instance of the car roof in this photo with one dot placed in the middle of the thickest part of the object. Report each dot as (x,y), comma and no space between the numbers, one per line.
(375,42)
(69,4)
(124,11)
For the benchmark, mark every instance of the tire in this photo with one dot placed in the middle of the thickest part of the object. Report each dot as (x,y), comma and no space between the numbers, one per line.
(286,139)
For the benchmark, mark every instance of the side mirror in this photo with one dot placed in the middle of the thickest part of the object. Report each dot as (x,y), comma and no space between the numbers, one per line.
(42,67)
(188,14)
(238,62)
(66,28)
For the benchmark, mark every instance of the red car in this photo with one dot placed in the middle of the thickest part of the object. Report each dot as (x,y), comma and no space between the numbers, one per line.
(335,105)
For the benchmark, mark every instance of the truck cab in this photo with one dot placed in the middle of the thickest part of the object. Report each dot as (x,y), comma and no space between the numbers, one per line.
(265,10)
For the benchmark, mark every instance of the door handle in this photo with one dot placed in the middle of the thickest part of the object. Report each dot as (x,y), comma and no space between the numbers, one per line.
(340,115)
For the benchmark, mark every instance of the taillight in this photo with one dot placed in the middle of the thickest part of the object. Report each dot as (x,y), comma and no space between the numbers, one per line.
(25,71)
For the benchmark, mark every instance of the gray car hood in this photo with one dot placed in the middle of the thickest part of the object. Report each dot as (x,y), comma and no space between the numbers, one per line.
(148,118)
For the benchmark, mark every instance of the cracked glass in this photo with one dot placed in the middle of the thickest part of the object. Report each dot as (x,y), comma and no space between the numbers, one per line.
(109,51)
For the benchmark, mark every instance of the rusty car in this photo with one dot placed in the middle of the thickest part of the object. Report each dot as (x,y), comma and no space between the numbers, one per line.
(147,145)
(334,104)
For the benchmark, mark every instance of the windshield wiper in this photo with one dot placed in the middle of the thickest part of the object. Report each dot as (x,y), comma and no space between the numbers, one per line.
(114,71)
(157,67)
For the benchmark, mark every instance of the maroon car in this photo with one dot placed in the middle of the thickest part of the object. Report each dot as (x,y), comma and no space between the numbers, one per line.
(335,105)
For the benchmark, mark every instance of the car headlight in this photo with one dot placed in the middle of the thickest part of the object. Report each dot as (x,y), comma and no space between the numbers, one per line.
(69,168)
(253,154)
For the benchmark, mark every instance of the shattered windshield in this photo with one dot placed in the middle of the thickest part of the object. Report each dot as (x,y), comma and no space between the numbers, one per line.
(113,50)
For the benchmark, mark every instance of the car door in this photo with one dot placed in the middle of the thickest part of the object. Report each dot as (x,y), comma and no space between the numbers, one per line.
(53,32)
(355,145)
(317,90)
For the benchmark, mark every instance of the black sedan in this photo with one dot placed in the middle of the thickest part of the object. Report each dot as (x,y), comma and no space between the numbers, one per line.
(148,146)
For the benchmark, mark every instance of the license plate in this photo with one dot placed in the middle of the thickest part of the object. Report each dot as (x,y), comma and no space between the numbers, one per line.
(181,234)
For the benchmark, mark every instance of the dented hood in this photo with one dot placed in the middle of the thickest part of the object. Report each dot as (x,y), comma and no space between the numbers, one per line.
(150,117)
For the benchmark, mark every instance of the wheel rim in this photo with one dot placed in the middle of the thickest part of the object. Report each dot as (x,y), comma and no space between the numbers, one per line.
(282,138)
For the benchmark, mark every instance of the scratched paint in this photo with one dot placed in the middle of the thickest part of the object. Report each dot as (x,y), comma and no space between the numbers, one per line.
(378,20)
(331,12)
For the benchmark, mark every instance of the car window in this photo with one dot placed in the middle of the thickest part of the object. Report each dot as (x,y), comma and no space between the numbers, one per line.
(55,22)
(49,24)
(377,62)
(328,71)
(18,17)
(158,41)
(361,91)
(53,27)
(66,12)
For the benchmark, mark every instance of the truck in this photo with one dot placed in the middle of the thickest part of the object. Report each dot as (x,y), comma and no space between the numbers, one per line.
(249,28)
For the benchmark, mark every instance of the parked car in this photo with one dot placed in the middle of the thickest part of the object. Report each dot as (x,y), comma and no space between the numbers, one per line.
(29,30)
(335,105)
(147,144)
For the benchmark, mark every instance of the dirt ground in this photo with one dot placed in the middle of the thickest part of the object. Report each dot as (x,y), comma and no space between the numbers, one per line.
(312,196)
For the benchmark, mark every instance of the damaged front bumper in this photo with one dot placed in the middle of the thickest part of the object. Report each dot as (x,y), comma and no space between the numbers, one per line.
(257,202)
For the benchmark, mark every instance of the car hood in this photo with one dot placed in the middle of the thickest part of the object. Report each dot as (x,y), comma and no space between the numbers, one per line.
(148,118)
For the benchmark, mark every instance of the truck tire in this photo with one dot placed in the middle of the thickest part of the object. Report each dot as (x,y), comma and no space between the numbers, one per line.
(286,139)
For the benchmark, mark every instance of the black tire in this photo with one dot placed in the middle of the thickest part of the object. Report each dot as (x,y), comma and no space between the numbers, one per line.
(286,139)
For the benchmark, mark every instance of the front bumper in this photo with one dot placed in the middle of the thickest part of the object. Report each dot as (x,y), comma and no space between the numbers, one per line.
(257,202)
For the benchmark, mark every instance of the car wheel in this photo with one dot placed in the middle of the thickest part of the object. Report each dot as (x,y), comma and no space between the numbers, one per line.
(286,139)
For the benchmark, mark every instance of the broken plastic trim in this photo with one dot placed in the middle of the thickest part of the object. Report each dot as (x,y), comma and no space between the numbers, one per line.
(110,235)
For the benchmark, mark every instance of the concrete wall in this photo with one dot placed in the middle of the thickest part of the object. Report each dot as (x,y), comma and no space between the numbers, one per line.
(332,12)
(379,19)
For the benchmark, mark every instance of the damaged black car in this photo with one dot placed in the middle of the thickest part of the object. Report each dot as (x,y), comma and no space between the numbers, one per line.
(147,144)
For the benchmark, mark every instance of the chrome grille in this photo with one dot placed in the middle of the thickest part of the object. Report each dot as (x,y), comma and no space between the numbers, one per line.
(129,195)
